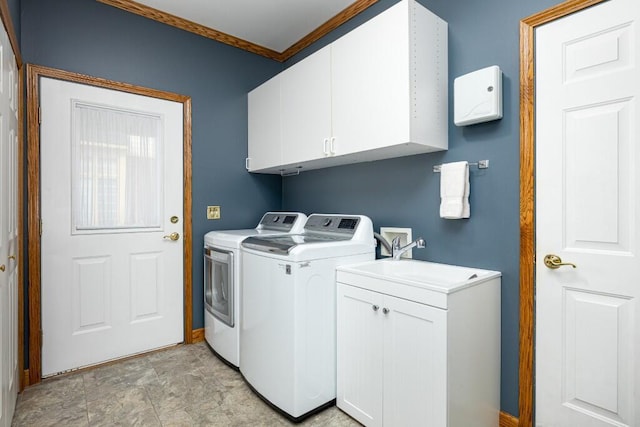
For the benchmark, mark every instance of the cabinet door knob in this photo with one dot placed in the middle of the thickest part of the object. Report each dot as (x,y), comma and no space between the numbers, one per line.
(375,307)
(385,310)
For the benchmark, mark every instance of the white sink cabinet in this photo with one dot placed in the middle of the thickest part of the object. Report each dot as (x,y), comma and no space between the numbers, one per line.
(411,353)
(379,91)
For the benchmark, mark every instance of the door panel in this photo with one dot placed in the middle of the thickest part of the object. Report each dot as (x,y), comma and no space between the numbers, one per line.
(147,296)
(90,296)
(598,139)
(596,360)
(587,213)
(112,270)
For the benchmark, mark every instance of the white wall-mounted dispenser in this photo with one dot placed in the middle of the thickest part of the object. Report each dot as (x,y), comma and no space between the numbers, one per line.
(477,96)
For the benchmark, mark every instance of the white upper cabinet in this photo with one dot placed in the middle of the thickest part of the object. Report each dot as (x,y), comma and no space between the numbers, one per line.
(378,92)
(306,108)
(264,126)
(389,80)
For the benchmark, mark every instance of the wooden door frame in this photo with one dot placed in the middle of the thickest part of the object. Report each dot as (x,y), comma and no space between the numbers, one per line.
(34,73)
(527,196)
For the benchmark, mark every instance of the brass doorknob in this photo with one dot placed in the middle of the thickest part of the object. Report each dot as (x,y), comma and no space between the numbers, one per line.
(2,267)
(173,236)
(554,261)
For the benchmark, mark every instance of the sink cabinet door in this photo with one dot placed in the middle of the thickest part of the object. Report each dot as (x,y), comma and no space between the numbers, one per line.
(415,364)
(359,354)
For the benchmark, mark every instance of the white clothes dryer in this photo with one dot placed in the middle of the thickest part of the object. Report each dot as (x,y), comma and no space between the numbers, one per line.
(288,326)
(222,280)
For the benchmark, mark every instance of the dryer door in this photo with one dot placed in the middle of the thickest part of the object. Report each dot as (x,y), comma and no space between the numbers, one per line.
(219,283)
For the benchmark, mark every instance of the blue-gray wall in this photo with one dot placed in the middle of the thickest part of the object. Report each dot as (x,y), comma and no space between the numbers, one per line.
(404,192)
(14,9)
(88,37)
(85,36)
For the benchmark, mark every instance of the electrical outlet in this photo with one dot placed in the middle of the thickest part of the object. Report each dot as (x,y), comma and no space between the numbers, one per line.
(213,212)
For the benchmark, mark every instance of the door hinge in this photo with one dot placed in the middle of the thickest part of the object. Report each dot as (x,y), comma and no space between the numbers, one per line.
(39,115)
(40,227)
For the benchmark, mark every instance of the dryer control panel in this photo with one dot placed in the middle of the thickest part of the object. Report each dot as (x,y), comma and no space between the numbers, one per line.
(281,221)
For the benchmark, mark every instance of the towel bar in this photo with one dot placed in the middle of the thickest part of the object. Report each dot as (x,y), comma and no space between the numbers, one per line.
(481,164)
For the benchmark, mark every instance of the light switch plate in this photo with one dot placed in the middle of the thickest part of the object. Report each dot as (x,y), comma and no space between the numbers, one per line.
(390,233)
(213,212)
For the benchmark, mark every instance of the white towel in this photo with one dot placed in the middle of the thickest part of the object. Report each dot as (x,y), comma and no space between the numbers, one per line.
(454,190)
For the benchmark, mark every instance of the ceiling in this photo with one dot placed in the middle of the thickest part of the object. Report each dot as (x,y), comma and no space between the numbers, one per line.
(277,29)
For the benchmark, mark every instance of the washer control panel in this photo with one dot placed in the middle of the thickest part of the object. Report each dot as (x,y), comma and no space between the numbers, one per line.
(342,224)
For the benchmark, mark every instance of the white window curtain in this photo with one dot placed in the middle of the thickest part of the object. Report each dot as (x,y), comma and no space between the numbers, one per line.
(117,169)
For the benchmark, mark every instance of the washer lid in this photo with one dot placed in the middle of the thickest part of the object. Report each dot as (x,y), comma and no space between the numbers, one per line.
(283,244)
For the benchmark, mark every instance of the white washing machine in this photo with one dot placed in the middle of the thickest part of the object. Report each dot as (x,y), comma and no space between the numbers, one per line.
(288,326)
(222,269)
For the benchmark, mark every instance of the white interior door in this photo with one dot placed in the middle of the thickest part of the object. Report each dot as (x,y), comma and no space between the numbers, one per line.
(112,203)
(8,230)
(588,214)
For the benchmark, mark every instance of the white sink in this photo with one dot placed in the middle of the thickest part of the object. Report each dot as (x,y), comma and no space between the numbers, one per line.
(430,275)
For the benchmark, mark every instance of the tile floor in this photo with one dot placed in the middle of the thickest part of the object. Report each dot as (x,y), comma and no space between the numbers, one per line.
(184,386)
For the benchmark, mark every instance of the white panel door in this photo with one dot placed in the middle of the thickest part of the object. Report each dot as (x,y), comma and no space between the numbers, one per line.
(588,214)
(8,230)
(112,257)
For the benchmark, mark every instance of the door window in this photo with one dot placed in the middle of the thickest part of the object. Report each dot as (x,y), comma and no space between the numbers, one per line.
(117,169)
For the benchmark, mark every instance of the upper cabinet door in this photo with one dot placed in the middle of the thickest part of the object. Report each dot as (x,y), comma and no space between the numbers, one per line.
(389,81)
(264,148)
(306,108)
(370,76)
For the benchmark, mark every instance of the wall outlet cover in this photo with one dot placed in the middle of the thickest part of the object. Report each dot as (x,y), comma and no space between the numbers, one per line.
(390,233)
(213,212)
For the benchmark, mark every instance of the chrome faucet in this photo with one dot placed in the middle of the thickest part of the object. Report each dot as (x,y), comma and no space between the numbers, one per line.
(397,251)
